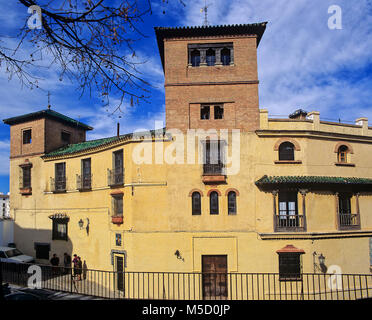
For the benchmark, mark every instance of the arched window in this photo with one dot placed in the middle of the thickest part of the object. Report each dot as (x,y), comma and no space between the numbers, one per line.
(231,200)
(196,203)
(342,154)
(211,57)
(195,58)
(225,56)
(286,151)
(213,202)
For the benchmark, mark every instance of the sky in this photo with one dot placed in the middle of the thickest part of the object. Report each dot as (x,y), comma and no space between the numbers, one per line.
(302,63)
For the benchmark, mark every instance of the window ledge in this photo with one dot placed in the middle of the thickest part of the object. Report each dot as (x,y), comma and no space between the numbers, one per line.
(288,162)
(213,179)
(344,164)
(117,220)
(25,191)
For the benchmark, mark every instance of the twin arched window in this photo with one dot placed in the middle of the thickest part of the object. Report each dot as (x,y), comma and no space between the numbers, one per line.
(286,151)
(213,203)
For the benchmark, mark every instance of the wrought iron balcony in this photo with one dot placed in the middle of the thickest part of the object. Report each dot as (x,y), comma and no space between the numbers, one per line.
(58,184)
(290,223)
(115,177)
(213,169)
(349,221)
(84,182)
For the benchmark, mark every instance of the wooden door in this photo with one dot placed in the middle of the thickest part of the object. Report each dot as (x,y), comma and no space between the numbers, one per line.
(214,269)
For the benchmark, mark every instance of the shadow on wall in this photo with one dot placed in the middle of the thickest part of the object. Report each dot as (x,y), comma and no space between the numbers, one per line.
(39,244)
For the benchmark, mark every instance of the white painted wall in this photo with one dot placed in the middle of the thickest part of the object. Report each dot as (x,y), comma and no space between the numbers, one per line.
(6,232)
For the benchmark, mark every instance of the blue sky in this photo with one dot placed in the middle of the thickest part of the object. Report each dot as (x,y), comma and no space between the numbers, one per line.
(301,64)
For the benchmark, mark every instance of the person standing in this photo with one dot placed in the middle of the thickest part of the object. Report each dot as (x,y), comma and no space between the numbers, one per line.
(75,263)
(80,268)
(54,262)
(66,262)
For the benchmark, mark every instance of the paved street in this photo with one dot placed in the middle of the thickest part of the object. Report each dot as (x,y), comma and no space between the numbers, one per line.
(52,295)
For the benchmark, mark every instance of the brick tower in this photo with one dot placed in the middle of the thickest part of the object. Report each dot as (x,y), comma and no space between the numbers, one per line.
(211,78)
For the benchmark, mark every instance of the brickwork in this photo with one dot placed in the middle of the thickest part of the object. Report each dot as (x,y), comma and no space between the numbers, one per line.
(45,137)
(234,86)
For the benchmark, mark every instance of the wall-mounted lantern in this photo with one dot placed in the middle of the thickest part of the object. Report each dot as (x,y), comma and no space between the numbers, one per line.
(321,267)
(178,255)
(81,224)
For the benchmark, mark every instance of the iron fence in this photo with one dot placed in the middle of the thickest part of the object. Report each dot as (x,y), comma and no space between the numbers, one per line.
(194,285)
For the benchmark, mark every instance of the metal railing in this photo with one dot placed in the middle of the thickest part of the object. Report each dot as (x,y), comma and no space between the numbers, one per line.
(83,182)
(289,222)
(115,177)
(349,220)
(195,285)
(58,184)
(211,169)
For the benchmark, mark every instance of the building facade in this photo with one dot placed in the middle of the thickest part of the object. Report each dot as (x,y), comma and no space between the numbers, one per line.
(271,195)
(4,206)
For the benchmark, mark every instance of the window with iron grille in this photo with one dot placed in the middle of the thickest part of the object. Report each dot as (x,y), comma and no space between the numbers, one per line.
(26,177)
(118,167)
(213,157)
(27,139)
(213,199)
(196,203)
(86,174)
(60,176)
(290,266)
(231,199)
(42,250)
(117,204)
(286,151)
(59,231)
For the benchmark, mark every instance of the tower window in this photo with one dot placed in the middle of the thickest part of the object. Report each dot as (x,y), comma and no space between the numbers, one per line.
(66,137)
(205,112)
(27,136)
(218,112)
(225,57)
(211,57)
(195,58)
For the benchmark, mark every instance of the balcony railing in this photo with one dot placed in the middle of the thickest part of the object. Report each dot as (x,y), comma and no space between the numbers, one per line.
(84,182)
(115,177)
(285,222)
(349,221)
(213,169)
(58,184)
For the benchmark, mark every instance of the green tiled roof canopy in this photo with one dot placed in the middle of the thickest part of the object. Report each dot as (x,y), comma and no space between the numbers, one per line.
(47,113)
(315,182)
(85,146)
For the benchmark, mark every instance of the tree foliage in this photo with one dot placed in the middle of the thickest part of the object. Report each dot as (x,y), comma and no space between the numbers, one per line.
(91,42)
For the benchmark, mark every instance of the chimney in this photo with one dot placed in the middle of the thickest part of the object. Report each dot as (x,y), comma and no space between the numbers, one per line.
(118,129)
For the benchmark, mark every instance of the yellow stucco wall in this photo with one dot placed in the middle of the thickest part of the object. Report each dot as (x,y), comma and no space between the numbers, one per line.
(157,207)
